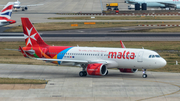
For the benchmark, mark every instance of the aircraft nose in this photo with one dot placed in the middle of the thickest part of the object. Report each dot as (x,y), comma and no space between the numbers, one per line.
(163,62)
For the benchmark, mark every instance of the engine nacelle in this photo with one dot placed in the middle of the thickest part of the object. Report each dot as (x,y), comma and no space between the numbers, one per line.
(127,70)
(96,69)
(177,7)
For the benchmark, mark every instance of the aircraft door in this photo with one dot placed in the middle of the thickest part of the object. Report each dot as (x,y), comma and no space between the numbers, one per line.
(140,56)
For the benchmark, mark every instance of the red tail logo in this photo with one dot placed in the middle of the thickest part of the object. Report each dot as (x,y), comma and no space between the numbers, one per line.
(29,37)
(32,37)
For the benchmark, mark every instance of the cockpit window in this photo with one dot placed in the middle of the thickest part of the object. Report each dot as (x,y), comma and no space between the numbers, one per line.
(157,56)
(154,56)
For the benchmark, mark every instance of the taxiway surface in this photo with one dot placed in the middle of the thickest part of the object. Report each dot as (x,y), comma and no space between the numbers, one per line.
(66,85)
(43,18)
(68,6)
(98,34)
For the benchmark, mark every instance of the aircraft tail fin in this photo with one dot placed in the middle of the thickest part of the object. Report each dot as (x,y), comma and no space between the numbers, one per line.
(122,44)
(32,37)
(7,11)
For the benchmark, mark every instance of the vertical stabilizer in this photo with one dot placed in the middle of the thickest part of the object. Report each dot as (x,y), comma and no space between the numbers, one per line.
(122,44)
(32,37)
(7,10)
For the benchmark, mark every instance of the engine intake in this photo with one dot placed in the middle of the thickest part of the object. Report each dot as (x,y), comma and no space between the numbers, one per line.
(96,69)
(127,70)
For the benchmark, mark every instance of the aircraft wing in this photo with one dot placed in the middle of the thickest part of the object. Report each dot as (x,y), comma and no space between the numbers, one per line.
(168,4)
(74,61)
(130,1)
(62,60)
(31,5)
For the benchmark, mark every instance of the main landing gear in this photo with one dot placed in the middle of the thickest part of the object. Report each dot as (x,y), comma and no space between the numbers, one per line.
(83,72)
(144,73)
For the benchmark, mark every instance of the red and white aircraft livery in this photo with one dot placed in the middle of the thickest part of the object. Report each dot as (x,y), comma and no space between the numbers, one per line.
(5,15)
(93,60)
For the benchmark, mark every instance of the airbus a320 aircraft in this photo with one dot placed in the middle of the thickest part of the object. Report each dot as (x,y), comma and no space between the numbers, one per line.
(143,4)
(5,15)
(93,60)
(24,7)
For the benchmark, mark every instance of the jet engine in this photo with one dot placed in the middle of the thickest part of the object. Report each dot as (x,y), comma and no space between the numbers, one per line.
(177,6)
(96,69)
(127,70)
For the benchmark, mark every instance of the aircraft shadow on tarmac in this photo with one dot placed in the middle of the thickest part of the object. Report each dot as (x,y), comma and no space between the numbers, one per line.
(52,74)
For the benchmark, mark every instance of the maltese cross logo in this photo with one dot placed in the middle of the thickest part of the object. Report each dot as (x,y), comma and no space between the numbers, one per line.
(29,37)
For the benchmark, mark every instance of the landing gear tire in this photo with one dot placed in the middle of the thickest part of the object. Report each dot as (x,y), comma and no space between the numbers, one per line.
(144,75)
(82,73)
(85,73)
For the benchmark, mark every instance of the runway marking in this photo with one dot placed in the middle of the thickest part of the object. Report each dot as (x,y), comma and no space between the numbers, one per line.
(163,94)
(178,91)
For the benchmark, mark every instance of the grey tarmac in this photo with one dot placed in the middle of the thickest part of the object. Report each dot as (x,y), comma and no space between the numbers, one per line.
(66,85)
(67,6)
(43,18)
(98,34)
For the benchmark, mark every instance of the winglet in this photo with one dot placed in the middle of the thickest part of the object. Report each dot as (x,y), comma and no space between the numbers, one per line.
(22,51)
(122,44)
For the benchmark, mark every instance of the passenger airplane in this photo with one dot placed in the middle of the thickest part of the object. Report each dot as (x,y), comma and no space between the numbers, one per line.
(93,60)
(5,15)
(24,7)
(154,4)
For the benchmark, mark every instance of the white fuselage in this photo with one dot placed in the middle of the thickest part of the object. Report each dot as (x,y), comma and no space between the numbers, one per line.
(17,5)
(3,23)
(116,57)
(154,3)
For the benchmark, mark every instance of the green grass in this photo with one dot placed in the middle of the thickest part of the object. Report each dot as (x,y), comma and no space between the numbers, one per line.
(21,81)
(67,26)
(15,57)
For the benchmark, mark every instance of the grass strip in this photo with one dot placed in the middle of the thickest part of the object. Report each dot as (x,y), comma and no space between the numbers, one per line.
(21,81)
(67,26)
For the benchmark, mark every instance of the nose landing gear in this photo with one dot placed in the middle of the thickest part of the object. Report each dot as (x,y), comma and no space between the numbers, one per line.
(144,73)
